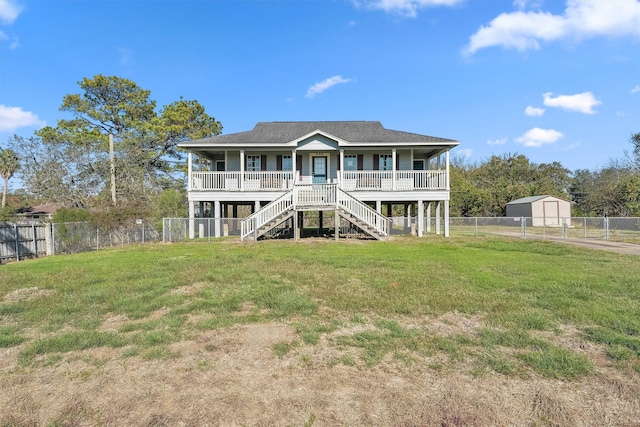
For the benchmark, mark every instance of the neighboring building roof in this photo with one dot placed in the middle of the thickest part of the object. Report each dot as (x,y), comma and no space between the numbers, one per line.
(532,199)
(46,209)
(351,131)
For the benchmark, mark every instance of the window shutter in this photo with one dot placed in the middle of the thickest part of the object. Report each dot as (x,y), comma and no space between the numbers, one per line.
(376,162)
(279,162)
(397,162)
(360,162)
(299,163)
(263,162)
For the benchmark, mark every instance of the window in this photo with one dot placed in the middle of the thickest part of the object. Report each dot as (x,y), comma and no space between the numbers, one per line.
(253,163)
(350,162)
(386,162)
(287,164)
(418,165)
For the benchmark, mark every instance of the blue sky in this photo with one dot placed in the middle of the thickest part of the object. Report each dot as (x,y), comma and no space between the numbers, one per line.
(553,80)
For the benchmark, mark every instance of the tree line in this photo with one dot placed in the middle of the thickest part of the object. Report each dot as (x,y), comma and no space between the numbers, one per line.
(484,189)
(72,163)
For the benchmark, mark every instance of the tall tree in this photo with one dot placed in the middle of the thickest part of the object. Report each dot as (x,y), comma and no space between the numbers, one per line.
(635,141)
(147,156)
(9,164)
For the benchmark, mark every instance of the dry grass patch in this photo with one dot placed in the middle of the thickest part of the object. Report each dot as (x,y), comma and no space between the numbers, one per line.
(27,294)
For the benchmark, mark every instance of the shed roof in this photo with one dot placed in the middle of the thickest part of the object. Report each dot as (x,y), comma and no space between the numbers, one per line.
(351,131)
(532,199)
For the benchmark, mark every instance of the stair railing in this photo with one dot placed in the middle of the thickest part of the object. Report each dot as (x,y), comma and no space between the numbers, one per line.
(363,212)
(251,224)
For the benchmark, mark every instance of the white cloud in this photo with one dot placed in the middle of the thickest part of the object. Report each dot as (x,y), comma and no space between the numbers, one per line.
(500,141)
(533,111)
(406,8)
(581,102)
(325,84)
(635,89)
(13,118)
(9,11)
(581,19)
(537,137)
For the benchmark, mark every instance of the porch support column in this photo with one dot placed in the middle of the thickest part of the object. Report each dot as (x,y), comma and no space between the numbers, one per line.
(216,218)
(336,223)
(438,217)
(190,169)
(447,173)
(429,217)
(241,170)
(341,167)
(379,206)
(256,206)
(407,215)
(192,223)
(393,169)
(446,218)
(420,218)
(294,166)
(296,230)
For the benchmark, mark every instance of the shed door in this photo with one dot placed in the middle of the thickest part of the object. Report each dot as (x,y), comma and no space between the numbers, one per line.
(551,213)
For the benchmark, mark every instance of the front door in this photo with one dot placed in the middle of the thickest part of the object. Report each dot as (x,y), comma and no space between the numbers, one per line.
(319,169)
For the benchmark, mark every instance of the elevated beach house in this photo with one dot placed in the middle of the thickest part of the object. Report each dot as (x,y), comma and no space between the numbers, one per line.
(352,169)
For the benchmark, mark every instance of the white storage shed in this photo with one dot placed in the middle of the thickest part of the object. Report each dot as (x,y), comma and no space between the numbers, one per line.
(547,211)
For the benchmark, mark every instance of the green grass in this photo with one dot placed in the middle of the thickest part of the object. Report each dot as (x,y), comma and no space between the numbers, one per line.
(518,288)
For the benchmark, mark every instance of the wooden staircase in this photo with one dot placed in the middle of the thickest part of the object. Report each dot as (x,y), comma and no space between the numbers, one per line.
(306,197)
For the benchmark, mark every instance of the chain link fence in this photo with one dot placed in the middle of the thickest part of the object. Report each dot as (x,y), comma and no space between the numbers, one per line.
(601,228)
(19,241)
(590,228)
(71,237)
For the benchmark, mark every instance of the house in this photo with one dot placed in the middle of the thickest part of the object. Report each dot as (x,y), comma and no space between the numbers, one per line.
(547,211)
(39,213)
(345,169)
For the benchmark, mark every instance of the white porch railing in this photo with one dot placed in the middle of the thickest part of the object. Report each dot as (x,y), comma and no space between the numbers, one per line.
(315,195)
(387,181)
(237,181)
(350,180)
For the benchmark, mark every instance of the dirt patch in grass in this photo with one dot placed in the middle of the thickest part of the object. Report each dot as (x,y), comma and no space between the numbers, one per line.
(233,376)
(27,294)
(114,322)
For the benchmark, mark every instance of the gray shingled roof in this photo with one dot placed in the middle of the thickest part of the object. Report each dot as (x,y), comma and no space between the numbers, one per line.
(351,131)
(531,199)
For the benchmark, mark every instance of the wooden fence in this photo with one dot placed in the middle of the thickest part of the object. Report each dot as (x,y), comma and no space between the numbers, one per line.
(19,241)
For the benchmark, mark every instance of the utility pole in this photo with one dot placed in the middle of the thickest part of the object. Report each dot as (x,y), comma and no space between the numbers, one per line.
(113,170)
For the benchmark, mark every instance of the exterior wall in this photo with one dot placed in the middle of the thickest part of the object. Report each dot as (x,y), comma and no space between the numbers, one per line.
(518,210)
(404,159)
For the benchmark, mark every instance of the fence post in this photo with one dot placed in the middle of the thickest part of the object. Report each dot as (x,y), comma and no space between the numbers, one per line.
(606,228)
(564,228)
(97,238)
(585,227)
(523,232)
(16,232)
(476,227)
(35,241)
